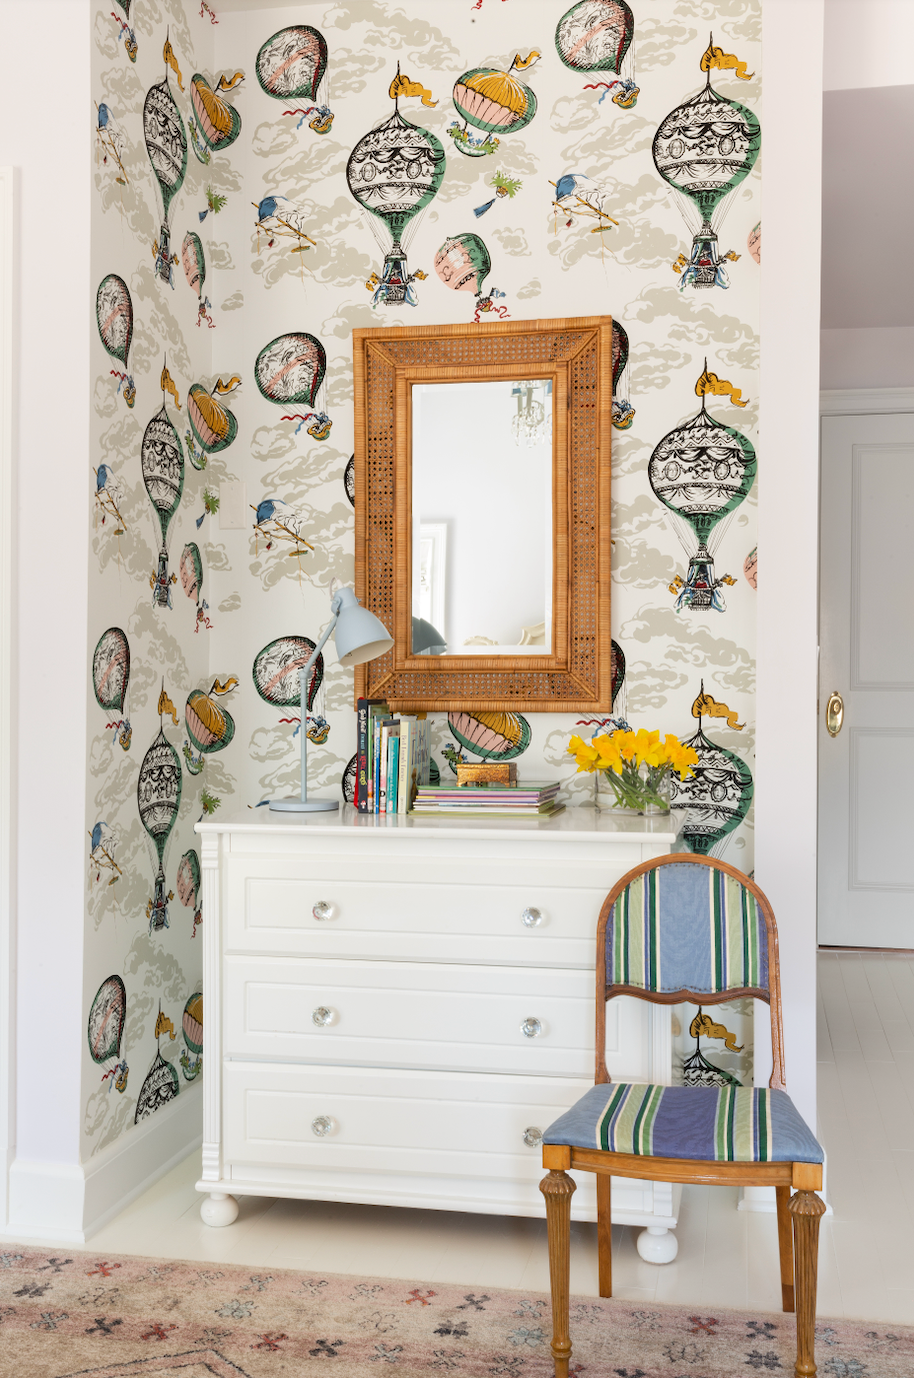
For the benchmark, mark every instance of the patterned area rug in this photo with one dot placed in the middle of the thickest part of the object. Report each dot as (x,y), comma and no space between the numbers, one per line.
(88,1317)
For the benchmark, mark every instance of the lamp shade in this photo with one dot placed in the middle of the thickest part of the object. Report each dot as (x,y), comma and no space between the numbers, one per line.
(359,635)
(427,640)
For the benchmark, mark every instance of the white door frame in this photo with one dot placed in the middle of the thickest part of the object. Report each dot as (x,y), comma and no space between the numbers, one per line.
(8,290)
(863,401)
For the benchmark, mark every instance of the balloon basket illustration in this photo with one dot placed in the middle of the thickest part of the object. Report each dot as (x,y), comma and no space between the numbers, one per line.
(717,795)
(126,33)
(162,465)
(291,66)
(192,1029)
(394,171)
(158,795)
(106,1029)
(701,471)
(493,101)
(463,264)
(114,318)
(596,36)
(704,149)
(209,726)
(290,372)
(111,680)
(166,145)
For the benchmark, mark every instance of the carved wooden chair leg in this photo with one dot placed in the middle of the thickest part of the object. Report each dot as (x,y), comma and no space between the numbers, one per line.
(806,1210)
(785,1246)
(558,1189)
(604,1233)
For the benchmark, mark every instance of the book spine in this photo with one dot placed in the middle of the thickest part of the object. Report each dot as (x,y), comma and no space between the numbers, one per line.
(376,765)
(393,773)
(403,773)
(362,761)
(382,770)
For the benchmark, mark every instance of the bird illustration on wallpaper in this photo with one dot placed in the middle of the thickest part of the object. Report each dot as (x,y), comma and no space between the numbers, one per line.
(212,425)
(110,493)
(505,188)
(463,264)
(717,795)
(290,372)
(276,520)
(494,102)
(705,148)
(166,145)
(161,1084)
(114,319)
(194,261)
(158,797)
(280,218)
(105,1030)
(701,471)
(188,884)
(491,736)
(394,172)
(210,727)
(124,30)
(577,195)
(292,66)
(110,142)
(623,412)
(111,681)
(192,1028)
(275,673)
(162,465)
(191,571)
(216,123)
(596,36)
(103,844)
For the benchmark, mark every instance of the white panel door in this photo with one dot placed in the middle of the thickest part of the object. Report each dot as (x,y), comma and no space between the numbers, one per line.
(866,772)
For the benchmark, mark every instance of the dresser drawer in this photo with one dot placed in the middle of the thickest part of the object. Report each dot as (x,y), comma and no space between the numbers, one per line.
(416,911)
(413,1014)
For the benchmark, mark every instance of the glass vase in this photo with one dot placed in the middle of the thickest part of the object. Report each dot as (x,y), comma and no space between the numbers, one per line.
(640,791)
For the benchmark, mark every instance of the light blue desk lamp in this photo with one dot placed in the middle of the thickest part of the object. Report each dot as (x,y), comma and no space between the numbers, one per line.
(360,636)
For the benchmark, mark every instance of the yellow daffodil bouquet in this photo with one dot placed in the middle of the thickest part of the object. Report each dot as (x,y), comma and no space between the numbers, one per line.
(637,766)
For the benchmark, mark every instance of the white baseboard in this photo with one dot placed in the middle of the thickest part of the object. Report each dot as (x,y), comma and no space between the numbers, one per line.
(68,1202)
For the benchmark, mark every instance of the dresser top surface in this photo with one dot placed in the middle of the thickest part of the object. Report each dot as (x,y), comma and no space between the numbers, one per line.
(581,824)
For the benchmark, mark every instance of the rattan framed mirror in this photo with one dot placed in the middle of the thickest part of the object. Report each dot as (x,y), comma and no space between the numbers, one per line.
(430,410)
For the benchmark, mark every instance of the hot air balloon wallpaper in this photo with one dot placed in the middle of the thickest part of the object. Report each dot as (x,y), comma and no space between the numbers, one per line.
(493,101)
(577,195)
(111,680)
(161,1084)
(111,142)
(194,261)
(394,172)
(276,520)
(114,318)
(275,673)
(162,465)
(188,885)
(192,1029)
(349,480)
(209,726)
(105,1031)
(350,779)
(701,471)
(110,492)
(213,426)
(166,145)
(280,218)
(158,796)
(717,795)
(191,572)
(596,36)
(705,148)
(291,66)
(622,410)
(290,372)
(493,736)
(126,33)
(463,264)
(103,844)
(505,187)
(218,123)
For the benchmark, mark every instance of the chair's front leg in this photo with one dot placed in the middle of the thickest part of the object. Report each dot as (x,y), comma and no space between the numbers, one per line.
(785,1247)
(605,1234)
(558,1188)
(806,1209)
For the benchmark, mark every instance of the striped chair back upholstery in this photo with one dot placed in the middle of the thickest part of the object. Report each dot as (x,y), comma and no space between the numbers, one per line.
(683,926)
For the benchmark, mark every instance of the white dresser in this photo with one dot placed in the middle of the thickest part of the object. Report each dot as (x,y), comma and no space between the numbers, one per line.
(394,1008)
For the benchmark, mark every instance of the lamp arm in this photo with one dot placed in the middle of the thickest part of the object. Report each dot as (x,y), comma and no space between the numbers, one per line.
(303,699)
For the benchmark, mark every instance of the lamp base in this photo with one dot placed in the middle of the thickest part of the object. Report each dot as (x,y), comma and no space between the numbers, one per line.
(297,805)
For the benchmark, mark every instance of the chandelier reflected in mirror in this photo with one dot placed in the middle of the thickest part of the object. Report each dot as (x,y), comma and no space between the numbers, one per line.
(533,417)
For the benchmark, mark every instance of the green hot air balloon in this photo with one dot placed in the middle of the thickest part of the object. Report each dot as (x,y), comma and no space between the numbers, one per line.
(158,796)
(716,796)
(192,1029)
(209,726)
(162,465)
(166,145)
(106,1029)
(493,101)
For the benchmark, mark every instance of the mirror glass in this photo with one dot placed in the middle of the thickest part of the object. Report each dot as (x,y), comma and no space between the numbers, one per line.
(482,518)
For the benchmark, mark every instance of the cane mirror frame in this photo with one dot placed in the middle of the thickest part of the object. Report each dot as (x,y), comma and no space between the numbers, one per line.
(576,354)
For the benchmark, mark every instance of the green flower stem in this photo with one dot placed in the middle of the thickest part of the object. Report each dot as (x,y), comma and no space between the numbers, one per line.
(635,791)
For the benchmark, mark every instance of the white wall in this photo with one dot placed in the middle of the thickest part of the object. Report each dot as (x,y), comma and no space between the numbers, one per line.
(868,357)
(867,43)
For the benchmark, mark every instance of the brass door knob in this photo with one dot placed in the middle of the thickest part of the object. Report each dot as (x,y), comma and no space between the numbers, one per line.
(834,713)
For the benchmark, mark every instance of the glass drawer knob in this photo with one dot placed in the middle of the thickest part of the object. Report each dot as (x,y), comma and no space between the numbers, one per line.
(530,1028)
(323,910)
(533,1137)
(322,1016)
(322,1126)
(531,918)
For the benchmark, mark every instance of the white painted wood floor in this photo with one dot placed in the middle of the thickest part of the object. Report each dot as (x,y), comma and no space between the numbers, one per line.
(726,1257)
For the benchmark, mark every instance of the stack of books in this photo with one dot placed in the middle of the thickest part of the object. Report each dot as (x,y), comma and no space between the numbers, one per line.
(394,757)
(526,799)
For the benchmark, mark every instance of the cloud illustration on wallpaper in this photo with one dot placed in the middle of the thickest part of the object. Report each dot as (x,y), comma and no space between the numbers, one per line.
(275,673)
(292,66)
(717,795)
(596,36)
(701,471)
(105,1030)
(290,372)
(114,318)
(158,797)
(162,464)
(463,264)
(111,680)
(494,102)
(166,145)
(705,148)
(394,172)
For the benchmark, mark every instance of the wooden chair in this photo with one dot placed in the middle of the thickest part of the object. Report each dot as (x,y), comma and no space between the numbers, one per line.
(687,928)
